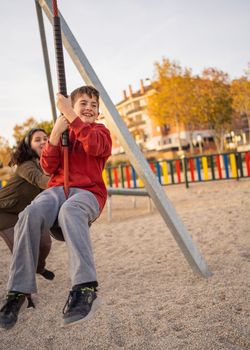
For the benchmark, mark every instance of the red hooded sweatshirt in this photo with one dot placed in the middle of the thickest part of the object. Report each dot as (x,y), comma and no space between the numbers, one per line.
(89,148)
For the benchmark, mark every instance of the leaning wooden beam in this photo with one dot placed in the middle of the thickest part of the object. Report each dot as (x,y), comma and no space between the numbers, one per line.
(137,159)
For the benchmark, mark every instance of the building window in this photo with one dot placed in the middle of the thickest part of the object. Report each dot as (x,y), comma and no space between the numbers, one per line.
(165,129)
(138,118)
(128,108)
(136,104)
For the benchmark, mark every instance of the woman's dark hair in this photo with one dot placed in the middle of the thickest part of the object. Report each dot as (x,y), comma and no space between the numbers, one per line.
(24,152)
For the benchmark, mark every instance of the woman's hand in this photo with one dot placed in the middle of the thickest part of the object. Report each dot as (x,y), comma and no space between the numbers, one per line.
(65,107)
(60,126)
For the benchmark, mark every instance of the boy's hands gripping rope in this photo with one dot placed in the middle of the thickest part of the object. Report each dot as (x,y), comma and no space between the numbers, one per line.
(60,126)
(65,107)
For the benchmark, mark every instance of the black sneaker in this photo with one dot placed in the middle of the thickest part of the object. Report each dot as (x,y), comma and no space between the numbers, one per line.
(47,274)
(9,311)
(82,303)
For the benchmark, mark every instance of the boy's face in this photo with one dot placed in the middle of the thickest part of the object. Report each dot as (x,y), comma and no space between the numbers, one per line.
(86,108)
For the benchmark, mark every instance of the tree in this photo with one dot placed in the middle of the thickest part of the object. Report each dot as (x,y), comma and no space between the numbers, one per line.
(175,98)
(5,152)
(240,90)
(215,103)
(20,130)
(189,104)
(191,101)
(172,93)
(46,125)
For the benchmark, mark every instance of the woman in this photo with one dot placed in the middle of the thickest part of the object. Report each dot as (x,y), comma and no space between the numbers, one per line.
(26,183)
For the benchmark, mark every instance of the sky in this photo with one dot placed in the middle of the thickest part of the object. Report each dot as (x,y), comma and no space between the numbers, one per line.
(122,40)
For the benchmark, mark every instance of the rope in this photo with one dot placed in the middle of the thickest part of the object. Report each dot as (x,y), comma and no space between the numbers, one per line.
(55,9)
(61,79)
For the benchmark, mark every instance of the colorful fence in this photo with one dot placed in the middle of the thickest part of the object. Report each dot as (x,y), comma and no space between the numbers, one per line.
(177,171)
(3,183)
(186,170)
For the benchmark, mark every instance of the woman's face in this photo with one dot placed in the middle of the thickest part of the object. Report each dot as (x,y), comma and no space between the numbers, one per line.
(38,140)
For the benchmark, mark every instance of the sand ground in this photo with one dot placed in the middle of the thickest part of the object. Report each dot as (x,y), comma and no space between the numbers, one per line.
(151,297)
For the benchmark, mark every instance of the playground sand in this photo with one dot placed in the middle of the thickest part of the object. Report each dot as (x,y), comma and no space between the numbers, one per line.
(151,298)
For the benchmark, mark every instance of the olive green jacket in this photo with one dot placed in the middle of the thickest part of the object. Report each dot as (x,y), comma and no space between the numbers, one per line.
(25,184)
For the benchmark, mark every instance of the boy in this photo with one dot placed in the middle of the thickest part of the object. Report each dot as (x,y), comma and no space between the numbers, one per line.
(89,148)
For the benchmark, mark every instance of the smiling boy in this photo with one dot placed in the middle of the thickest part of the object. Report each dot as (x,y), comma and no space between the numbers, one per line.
(89,148)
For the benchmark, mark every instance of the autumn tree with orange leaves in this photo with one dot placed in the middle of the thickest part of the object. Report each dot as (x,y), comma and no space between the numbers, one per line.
(215,104)
(20,130)
(174,97)
(5,152)
(191,101)
(240,90)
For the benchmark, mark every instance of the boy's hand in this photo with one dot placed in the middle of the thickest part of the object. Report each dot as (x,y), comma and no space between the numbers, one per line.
(65,107)
(60,126)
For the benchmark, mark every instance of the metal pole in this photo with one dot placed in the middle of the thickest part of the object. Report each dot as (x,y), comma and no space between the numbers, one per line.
(116,124)
(46,59)
(185,164)
(109,207)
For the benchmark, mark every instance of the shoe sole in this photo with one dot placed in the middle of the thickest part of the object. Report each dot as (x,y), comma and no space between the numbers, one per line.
(95,307)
